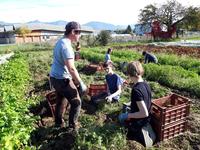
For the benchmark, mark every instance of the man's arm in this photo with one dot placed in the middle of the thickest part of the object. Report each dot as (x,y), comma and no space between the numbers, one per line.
(73,71)
(142,113)
(119,90)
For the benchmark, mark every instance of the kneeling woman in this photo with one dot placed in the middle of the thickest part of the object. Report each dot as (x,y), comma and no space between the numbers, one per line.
(138,117)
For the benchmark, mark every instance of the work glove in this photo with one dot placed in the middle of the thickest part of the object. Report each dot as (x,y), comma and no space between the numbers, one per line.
(83,87)
(109,99)
(122,117)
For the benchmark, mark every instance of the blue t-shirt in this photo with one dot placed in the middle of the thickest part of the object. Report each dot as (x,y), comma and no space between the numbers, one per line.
(107,57)
(113,81)
(62,51)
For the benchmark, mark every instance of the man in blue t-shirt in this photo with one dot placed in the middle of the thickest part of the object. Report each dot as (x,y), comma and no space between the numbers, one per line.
(65,77)
(114,84)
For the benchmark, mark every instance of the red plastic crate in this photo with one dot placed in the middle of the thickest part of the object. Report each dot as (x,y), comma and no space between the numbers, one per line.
(170,109)
(97,67)
(51,98)
(164,132)
(169,115)
(95,89)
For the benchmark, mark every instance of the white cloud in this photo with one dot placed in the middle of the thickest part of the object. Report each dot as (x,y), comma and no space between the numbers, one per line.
(121,12)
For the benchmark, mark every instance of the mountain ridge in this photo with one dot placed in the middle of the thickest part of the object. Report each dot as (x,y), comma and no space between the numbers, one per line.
(96,25)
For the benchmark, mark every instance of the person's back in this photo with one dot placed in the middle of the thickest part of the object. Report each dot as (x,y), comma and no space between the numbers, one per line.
(149,58)
(142,89)
(58,68)
(107,56)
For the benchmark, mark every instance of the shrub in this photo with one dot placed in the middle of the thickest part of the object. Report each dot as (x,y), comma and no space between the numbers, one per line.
(104,38)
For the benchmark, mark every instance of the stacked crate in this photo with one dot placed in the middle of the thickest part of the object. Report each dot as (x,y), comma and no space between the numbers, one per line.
(95,89)
(169,116)
(93,68)
(96,67)
(51,99)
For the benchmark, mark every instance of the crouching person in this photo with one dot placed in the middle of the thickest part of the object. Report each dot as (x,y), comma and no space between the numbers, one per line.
(138,120)
(114,87)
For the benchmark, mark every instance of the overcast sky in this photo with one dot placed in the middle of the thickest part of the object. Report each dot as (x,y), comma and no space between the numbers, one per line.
(117,12)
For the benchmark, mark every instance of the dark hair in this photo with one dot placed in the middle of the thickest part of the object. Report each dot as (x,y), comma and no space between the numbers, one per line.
(144,52)
(109,50)
(72,25)
(78,46)
(108,64)
(141,60)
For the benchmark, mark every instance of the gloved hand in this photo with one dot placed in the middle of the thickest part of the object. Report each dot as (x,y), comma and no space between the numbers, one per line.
(122,117)
(109,99)
(83,87)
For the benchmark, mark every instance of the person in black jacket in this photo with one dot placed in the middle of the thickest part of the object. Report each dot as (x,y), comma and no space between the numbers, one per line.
(149,58)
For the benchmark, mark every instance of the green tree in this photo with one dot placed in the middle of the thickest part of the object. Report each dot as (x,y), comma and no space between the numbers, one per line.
(168,14)
(148,14)
(119,31)
(128,30)
(23,31)
(104,37)
(192,19)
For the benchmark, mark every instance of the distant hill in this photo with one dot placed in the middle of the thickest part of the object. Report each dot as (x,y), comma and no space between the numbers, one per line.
(34,21)
(59,23)
(90,25)
(104,26)
(2,23)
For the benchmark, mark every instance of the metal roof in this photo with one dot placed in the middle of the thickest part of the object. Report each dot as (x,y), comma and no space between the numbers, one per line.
(42,26)
(9,28)
(1,29)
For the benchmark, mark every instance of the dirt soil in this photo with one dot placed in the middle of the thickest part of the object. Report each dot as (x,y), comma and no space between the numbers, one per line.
(180,50)
(48,137)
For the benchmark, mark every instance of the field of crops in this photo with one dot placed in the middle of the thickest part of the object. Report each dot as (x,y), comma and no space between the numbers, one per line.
(25,117)
(179,50)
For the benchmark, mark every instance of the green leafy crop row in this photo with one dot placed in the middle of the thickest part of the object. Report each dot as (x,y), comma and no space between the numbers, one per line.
(181,75)
(174,77)
(16,123)
(187,63)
